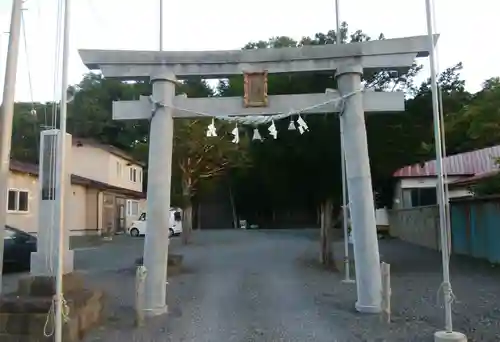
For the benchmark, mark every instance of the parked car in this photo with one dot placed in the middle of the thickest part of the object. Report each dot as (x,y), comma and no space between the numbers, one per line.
(18,246)
(138,228)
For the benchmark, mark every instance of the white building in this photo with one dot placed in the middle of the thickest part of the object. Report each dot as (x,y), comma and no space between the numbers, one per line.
(416,184)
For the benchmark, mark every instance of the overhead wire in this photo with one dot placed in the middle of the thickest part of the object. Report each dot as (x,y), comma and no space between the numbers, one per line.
(33,111)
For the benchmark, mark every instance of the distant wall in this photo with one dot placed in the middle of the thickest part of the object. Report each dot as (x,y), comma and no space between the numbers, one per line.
(419,226)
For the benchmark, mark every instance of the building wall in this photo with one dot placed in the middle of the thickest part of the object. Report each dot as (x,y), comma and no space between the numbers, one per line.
(123,174)
(132,216)
(92,207)
(28,221)
(77,218)
(102,166)
(91,163)
(419,226)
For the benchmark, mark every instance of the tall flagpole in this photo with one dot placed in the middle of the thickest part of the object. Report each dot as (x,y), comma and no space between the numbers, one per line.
(345,206)
(7,116)
(448,334)
(61,173)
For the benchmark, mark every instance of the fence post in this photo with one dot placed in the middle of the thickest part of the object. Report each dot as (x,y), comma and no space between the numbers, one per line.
(386,291)
(140,278)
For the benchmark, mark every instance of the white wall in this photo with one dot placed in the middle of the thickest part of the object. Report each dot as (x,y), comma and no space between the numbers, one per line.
(100,165)
(423,182)
(120,174)
(28,221)
(130,218)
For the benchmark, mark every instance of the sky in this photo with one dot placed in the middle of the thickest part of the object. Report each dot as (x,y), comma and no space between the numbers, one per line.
(466,27)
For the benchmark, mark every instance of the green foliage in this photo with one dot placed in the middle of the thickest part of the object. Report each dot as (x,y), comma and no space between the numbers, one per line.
(487,186)
(294,171)
(476,123)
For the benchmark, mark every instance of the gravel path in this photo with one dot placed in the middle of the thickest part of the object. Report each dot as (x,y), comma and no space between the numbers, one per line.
(265,286)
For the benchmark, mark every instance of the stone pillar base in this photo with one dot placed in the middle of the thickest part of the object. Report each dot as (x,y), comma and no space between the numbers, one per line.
(156,311)
(443,336)
(39,263)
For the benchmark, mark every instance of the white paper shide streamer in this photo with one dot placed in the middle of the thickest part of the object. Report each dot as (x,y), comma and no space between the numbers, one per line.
(211,130)
(273,131)
(255,120)
(236,135)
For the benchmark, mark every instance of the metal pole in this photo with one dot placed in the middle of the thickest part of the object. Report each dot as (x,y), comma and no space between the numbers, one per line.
(6,117)
(347,267)
(345,207)
(337,15)
(439,168)
(61,173)
(161,25)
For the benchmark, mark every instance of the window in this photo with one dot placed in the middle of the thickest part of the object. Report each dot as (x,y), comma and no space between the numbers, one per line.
(49,158)
(17,201)
(133,174)
(119,169)
(419,197)
(132,208)
(177,216)
(140,175)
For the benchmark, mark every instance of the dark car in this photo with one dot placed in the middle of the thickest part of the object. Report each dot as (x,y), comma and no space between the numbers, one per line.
(18,246)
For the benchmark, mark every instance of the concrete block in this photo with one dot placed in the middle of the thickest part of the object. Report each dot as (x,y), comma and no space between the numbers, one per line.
(22,318)
(46,286)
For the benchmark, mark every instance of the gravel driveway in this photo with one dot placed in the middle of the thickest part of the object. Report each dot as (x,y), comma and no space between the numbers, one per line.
(265,286)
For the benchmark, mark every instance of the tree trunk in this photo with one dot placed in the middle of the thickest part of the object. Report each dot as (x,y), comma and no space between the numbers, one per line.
(233,207)
(326,256)
(198,215)
(187,222)
(187,212)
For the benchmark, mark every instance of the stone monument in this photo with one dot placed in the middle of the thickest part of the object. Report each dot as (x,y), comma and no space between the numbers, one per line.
(23,314)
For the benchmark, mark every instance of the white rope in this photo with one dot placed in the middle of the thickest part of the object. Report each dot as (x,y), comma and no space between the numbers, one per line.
(259,118)
(50,321)
(30,83)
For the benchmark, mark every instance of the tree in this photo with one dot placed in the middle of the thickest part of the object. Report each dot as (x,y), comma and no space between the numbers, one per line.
(306,168)
(198,158)
(476,123)
(487,186)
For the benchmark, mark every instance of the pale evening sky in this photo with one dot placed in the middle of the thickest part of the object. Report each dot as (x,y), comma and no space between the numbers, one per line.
(466,27)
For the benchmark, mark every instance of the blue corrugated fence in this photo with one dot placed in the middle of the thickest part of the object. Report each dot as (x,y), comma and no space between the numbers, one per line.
(475,228)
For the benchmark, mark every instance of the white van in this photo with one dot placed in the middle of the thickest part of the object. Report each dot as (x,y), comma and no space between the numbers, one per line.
(138,227)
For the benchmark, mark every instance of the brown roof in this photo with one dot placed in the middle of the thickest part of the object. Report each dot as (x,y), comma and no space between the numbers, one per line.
(106,147)
(474,179)
(463,164)
(32,169)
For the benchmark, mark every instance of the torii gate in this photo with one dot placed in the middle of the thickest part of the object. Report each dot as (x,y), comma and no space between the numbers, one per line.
(348,61)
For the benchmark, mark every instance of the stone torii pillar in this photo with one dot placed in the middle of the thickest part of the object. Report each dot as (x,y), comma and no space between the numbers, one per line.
(368,280)
(349,60)
(158,197)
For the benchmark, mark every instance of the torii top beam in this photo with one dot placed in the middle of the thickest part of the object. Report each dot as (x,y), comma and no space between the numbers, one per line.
(394,54)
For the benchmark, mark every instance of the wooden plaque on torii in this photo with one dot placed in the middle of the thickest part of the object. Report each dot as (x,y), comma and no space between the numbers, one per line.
(255,86)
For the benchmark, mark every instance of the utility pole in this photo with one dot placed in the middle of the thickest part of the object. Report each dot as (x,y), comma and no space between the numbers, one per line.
(6,117)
